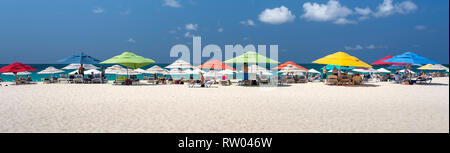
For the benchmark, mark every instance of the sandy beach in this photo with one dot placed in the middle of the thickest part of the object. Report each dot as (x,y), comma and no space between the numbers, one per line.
(311,107)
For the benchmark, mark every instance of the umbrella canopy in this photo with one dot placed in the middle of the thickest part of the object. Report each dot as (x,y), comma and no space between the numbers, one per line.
(226,72)
(50,70)
(383,70)
(114,69)
(18,73)
(279,67)
(140,71)
(216,65)
(127,72)
(156,70)
(130,60)
(410,58)
(365,70)
(79,59)
(77,66)
(341,59)
(251,57)
(195,71)
(331,67)
(176,72)
(433,67)
(313,71)
(256,69)
(292,69)
(16,67)
(180,64)
(381,61)
(87,72)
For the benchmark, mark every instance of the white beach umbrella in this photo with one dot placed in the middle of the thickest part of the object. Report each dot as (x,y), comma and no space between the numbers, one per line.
(180,64)
(18,73)
(140,70)
(92,70)
(291,69)
(114,69)
(156,70)
(176,72)
(226,72)
(130,72)
(313,71)
(383,70)
(195,71)
(77,66)
(437,67)
(50,70)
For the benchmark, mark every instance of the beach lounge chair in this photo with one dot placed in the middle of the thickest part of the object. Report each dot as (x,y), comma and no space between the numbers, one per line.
(332,79)
(120,80)
(290,79)
(344,80)
(264,79)
(225,82)
(357,80)
(421,80)
(302,79)
(152,80)
(78,79)
(46,80)
(134,79)
(97,79)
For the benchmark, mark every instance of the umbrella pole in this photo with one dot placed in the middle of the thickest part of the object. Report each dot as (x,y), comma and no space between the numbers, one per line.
(15,73)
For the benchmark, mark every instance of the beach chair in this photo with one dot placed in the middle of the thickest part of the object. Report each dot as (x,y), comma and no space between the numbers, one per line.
(421,80)
(134,79)
(357,80)
(332,80)
(344,80)
(152,80)
(78,79)
(225,82)
(302,79)
(46,80)
(264,79)
(97,79)
(120,80)
(290,79)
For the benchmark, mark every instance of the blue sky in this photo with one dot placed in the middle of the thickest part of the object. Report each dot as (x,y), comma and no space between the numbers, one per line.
(47,30)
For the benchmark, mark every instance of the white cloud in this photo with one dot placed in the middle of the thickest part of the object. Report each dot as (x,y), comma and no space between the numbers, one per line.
(191,26)
(360,47)
(188,35)
(98,10)
(131,40)
(363,11)
(248,22)
(344,21)
(387,8)
(276,15)
(332,11)
(172,3)
(220,30)
(420,27)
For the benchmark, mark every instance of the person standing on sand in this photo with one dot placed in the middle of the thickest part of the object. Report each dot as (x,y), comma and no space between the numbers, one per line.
(103,72)
(81,70)
(324,74)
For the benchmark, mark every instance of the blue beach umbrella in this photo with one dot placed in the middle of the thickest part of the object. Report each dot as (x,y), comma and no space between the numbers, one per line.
(80,59)
(410,58)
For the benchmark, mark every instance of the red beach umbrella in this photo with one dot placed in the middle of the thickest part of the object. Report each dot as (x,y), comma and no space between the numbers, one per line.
(16,67)
(216,65)
(279,67)
(380,61)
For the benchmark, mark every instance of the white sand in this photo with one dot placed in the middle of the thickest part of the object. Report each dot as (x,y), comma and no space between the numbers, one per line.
(311,107)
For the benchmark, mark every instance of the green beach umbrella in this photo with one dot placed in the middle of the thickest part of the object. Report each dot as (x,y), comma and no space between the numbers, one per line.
(251,57)
(130,60)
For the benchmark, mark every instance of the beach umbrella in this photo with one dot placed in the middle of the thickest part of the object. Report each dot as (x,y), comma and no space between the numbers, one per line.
(180,64)
(292,69)
(156,70)
(226,72)
(331,67)
(79,59)
(140,70)
(313,71)
(127,72)
(341,59)
(18,73)
(250,57)
(215,65)
(382,62)
(114,69)
(383,70)
(255,69)
(77,66)
(130,60)
(51,70)
(15,68)
(410,58)
(279,67)
(176,72)
(433,67)
(195,71)
(365,70)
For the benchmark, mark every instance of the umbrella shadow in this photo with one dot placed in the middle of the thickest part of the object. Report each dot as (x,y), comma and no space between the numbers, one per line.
(360,85)
(432,84)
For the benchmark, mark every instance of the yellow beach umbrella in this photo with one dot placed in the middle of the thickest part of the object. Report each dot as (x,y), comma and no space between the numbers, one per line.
(425,67)
(341,59)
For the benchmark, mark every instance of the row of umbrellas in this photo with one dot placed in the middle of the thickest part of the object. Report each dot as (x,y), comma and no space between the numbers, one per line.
(133,61)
